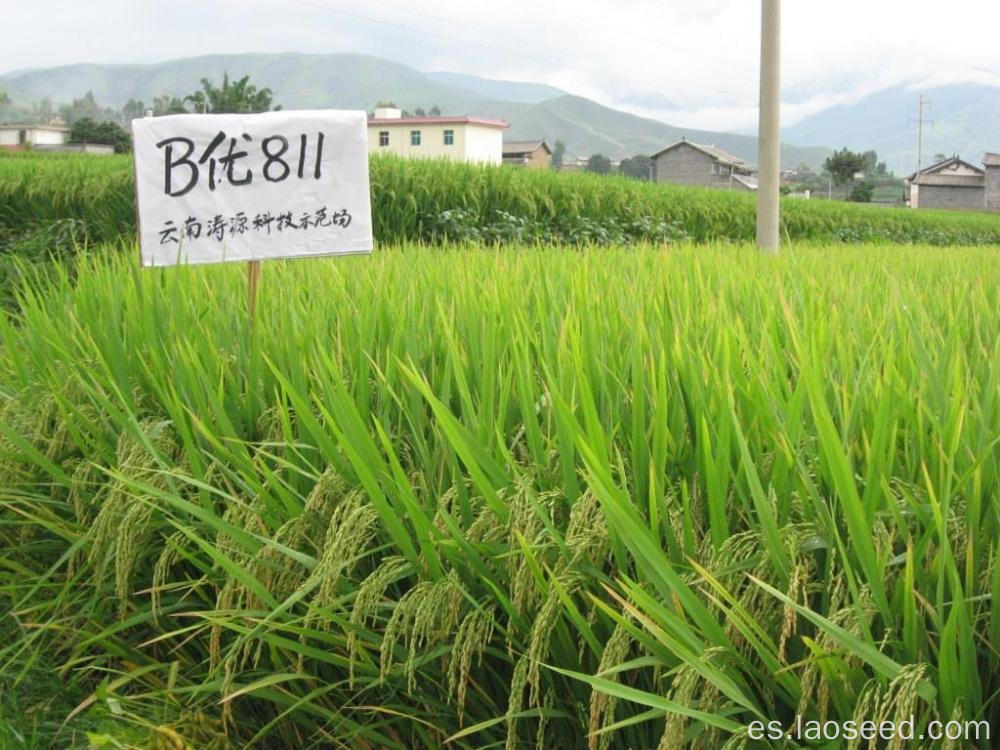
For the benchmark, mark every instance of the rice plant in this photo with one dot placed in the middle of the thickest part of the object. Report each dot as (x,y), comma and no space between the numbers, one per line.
(440,201)
(466,498)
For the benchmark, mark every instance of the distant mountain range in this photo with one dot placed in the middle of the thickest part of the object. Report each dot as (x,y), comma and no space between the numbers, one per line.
(965,122)
(359,81)
(488,88)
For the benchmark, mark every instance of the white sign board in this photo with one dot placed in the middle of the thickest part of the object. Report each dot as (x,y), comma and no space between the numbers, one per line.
(215,188)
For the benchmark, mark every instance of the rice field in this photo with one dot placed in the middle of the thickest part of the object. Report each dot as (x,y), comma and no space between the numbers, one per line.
(443,202)
(534,496)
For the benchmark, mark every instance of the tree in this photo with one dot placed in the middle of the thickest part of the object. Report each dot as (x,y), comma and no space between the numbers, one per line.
(168,105)
(639,167)
(843,165)
(599,164)
(384,104)
(558,154)
(6,108)
(863,192)
(133,109)
(86,107)
(435,111)
(804,171)
(873,166)
(419,112)
(88,130)
(239,97)
(43,110)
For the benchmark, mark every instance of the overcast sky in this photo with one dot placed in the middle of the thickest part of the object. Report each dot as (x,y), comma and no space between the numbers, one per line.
(690,62)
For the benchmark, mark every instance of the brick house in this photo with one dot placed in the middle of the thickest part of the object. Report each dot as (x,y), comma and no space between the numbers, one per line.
(952,183)
(688,163)
(532,154)
(991,162)
(956,184)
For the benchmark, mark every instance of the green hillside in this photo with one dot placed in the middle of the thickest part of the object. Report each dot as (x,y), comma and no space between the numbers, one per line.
(358,81)
(17,97)
(298,80)
(510,91)
(963,121)
(589,127)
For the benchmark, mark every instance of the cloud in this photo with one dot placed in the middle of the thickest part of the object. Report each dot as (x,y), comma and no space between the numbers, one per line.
(698,56)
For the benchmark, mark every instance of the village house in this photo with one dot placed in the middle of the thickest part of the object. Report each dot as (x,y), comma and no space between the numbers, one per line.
(580,163)
(949,184)
(688,163)
(51,137)
(469,139)
(532,154)
(25,136)
(574,163)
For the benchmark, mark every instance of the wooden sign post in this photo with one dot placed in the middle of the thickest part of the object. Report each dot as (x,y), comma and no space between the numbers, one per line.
(216,188)
(253,281)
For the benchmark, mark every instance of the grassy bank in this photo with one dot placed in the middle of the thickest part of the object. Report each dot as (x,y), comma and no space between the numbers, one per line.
(507,498)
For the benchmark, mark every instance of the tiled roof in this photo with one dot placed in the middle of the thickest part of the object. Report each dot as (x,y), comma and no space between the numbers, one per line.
(523,147)
(56,128)
(716,153)
(940,166)
(952,180)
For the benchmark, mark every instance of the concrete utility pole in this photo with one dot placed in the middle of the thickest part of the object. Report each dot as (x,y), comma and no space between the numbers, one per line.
(769,131)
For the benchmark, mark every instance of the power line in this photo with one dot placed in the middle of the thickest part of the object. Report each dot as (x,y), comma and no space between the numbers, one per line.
(920,121)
